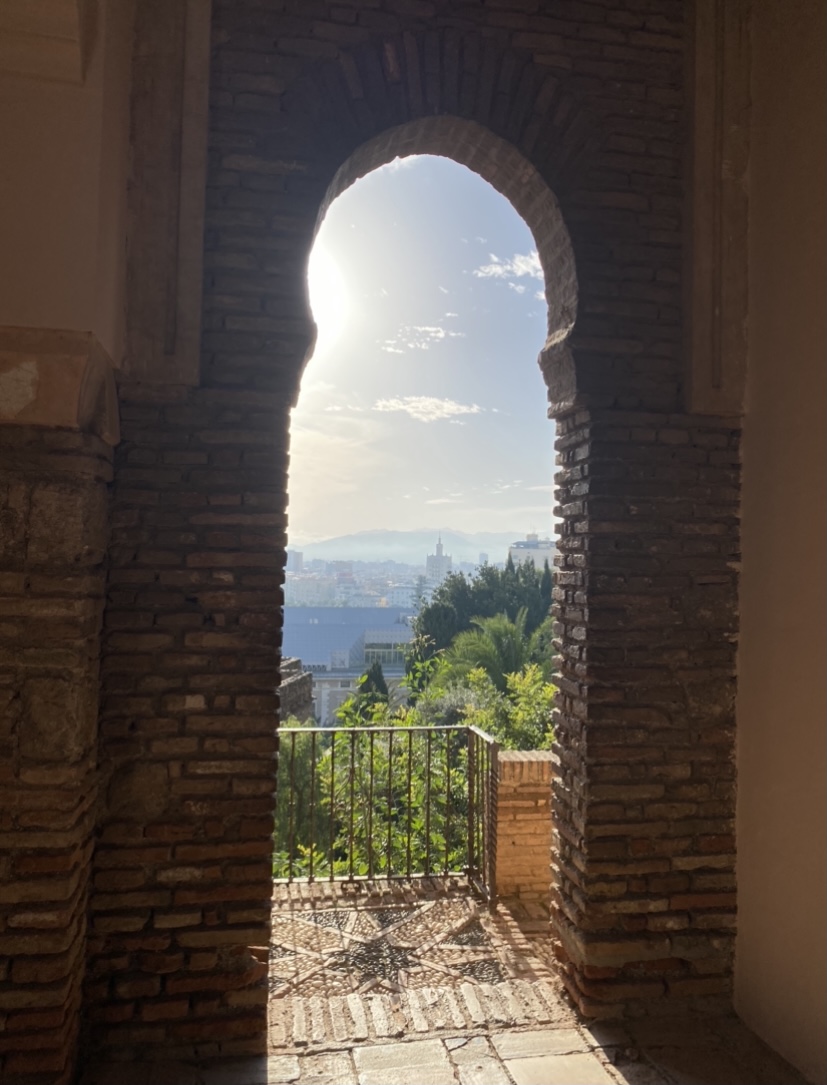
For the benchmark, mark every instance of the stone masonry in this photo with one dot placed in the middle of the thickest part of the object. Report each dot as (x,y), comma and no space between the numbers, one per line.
(53,540)
(578,113)
(295,690)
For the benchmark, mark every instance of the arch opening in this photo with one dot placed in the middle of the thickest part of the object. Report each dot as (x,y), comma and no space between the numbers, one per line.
(557,326)
(500,164)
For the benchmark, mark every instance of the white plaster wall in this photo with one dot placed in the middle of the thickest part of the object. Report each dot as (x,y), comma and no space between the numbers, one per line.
(781,967)
(63,171)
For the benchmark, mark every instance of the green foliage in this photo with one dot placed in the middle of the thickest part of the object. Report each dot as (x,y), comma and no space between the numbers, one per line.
(496,645)
(373,682)
(391,801)
(460,599)
(379,796)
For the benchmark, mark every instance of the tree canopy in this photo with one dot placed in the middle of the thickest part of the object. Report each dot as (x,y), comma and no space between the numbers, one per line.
(460,599)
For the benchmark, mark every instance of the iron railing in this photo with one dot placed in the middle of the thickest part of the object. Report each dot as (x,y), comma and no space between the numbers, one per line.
(386,802)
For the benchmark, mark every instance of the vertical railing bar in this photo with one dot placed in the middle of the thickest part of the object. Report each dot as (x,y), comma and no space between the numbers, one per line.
(312,799)
(291,808)
(428,803)
(410,771)
(390,802)
(487,825)
(472,828)
(479,810)
(370,811)
(447,799)
(493,784)
(484,784)
(331,825)
(485,775)
(352,783)
(479,807)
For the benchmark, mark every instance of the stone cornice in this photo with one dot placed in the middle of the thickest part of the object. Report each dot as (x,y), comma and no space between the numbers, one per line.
(59,379)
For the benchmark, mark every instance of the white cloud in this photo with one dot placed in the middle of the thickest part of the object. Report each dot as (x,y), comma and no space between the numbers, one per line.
(518,288)
(442,501)
(519,266)
(427,408)
(418,337)
(398,164)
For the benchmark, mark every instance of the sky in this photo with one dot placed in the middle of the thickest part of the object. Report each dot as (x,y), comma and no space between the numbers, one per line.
(423,405)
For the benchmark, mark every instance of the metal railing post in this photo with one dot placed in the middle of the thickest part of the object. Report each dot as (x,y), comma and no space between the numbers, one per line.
(493,795)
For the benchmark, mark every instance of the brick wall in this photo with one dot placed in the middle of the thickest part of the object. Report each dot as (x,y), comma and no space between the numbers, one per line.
(585,100)
(646,620)
(182,873)
(53,538)
(524,824)
(295,690)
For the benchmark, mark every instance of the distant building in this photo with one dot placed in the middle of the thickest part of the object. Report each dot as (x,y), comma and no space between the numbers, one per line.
(309,590)
(401,595)
(534,549)
(295,561)
(337,645)
(437,566)
(483,559)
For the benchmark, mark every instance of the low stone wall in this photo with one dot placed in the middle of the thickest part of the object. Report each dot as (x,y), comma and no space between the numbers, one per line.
(524,824)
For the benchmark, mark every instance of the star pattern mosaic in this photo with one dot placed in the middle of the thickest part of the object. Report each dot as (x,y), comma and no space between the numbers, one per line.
(338,951)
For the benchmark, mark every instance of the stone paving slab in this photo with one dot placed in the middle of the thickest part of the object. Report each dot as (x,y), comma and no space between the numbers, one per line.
(577,1069)
(512,1057)
(523,1045)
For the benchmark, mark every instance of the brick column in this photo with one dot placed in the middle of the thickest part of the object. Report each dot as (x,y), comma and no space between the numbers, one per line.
(524,824)
(643,795)
(183,865)
(53,536)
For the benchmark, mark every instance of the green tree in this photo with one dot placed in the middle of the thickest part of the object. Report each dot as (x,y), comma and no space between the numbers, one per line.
(546,585)
(460,599)
(519,716)
(373,682)
(495,645)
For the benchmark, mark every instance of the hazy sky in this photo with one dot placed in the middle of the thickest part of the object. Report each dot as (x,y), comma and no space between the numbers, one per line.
(423,405)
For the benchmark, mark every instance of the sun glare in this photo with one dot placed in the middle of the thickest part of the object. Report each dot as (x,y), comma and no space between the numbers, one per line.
(328,298)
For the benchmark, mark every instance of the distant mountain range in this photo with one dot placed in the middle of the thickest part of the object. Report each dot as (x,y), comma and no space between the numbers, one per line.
(411,547)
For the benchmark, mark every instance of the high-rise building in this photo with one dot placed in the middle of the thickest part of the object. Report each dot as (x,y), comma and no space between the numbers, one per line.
(437,566)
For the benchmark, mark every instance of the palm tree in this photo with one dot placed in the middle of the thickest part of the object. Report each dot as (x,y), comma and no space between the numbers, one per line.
(496,645)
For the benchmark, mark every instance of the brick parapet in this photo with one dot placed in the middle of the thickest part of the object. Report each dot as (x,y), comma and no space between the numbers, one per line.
(524,824)
(53,539)
(295,691)
(645,605)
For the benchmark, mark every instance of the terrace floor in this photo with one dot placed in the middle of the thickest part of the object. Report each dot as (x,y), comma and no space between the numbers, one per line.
(417,984)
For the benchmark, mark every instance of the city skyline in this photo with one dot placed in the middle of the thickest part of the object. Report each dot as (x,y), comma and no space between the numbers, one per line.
(423,406)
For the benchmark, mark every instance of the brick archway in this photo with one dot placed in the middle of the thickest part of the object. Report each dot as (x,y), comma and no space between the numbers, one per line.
(645,600)
(500,163)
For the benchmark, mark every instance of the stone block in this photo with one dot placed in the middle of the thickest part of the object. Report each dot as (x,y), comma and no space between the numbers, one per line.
(59,720)
(139,791)
(520,1045)
(564,1069)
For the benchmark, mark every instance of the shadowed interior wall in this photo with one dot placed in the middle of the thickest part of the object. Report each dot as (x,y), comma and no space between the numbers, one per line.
(780,973)
(63,213)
